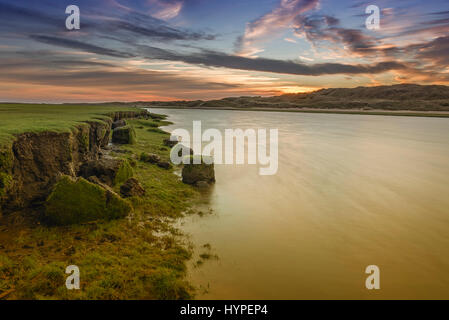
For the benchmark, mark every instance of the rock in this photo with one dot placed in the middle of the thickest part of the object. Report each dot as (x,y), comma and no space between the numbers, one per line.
(164,165)
(171,142)
(150,158)
(75,201)
(132,188)
(194,173)
(109,171)
(202,184)
(97,181)
(124,135)
(118,124)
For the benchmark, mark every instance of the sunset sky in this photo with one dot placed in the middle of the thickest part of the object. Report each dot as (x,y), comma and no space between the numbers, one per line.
(205,49)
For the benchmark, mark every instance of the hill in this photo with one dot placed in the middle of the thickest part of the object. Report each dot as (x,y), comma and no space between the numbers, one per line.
(411,97)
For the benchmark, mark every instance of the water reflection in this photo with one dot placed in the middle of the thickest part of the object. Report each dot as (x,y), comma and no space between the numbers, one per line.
(351,191)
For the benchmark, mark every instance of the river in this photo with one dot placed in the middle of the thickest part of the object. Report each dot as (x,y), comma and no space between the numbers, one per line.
(351,191)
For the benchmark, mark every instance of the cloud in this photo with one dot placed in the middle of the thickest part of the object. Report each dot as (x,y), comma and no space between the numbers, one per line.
(280,18)
(218,59)
(210,58)
(167,9)
(74,44)
(155,29)
(326,28)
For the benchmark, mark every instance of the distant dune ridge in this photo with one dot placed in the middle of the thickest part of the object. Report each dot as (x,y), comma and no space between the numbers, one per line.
(394,98)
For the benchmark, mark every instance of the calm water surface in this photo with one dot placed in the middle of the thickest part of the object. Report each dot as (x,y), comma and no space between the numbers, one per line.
(351,191)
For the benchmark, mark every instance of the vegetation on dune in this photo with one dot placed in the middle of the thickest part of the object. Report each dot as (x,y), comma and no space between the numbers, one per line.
(404,97)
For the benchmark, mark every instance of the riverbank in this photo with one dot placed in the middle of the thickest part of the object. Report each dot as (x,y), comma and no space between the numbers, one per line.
(140,257)
(402,113)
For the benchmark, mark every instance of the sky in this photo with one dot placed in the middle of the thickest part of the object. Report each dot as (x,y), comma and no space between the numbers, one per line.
(160,50)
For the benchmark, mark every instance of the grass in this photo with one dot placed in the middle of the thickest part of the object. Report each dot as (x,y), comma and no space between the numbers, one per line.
(20,118)
(140,257)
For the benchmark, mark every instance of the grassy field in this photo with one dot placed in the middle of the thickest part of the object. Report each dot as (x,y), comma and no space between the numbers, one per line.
(140,257)
(19,118)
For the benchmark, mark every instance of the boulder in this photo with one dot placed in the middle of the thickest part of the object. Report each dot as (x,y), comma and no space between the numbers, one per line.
(74,201)
(164,165)
(124,135)
(195,173)
(118,124)
(150,158)
(132,188)
(109,171)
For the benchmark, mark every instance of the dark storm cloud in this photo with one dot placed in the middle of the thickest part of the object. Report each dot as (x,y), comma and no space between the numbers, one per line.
(218,59)
(127,80)
(74,44)
(124,25)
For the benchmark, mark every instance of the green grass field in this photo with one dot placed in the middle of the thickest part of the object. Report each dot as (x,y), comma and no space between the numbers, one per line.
(20,118)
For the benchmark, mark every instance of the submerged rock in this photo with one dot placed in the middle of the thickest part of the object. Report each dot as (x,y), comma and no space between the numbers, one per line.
(124,135)
(118,124)
(132,188)
(198,173)
(109,171)
(75,201)
(202,184)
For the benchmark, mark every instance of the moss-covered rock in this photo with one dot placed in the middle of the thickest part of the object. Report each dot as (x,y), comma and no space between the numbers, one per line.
(150,158)
(204,171)
(119,124)
(109,171)
(124,172)
(78,201)
(124,135)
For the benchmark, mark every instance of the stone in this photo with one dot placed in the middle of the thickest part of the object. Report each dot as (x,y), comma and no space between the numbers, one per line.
(202,184)
(118,124)
(110,171)
(75,201)
(150,158)
(124,135)
(164,165)
(194,173)
(132,188)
